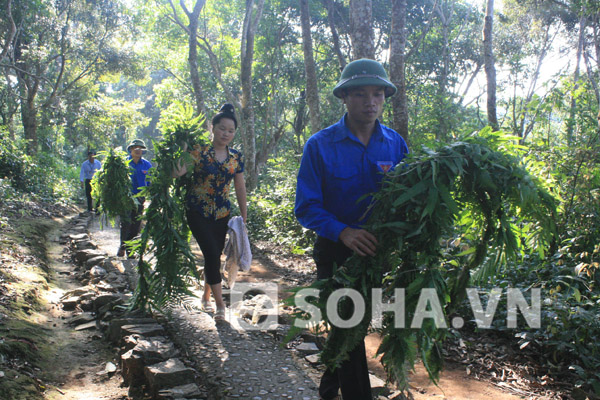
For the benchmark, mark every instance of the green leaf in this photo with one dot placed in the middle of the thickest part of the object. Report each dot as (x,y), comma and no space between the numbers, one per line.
(410,193)
(470,250)
(432,202)
(448,200)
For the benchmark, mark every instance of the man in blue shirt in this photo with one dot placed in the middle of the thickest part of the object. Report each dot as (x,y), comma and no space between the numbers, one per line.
(341,166)
(139,166)
(88,169)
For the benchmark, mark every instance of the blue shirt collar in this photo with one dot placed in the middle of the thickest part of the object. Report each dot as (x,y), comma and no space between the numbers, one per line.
(344,133)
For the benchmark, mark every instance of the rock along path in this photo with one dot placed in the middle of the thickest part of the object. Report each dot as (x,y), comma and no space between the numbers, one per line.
(235,363)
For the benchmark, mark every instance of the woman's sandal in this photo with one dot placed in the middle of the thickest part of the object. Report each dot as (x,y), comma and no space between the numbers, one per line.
(220,314)
(206,306)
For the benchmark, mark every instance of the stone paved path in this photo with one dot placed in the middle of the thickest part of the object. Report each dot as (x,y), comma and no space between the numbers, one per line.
(235,363)
(242,364)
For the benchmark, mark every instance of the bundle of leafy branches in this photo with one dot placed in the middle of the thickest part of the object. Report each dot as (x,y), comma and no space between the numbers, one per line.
(164,277)
(111,186)
(470,191)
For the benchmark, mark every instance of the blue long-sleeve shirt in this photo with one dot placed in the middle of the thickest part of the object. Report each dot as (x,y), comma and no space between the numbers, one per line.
(139,174)
(88,169)
(337,170)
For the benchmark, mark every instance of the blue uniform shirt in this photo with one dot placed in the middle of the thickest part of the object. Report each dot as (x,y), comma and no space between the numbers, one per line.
(139,174)
(337,170)
(88,169)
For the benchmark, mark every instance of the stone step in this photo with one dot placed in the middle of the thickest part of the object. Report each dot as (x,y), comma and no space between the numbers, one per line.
(168,374)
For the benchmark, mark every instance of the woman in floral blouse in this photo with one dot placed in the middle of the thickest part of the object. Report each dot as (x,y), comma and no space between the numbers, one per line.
(207,203)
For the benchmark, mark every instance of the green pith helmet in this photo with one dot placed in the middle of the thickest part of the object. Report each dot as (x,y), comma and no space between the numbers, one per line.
(136,142)
(364,72)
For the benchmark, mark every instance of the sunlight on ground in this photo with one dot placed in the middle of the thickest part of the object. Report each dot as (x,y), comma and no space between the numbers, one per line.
(25,274)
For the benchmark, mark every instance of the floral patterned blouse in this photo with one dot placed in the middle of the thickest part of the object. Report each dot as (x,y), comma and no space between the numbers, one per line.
(209,192)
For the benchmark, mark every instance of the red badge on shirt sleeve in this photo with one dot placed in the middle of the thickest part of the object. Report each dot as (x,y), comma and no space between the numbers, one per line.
(385,166)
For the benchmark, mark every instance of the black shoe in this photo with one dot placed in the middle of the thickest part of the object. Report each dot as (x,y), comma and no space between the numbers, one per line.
(121,252)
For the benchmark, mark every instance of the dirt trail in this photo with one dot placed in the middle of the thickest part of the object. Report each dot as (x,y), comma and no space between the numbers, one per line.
(65,363)
(85,353)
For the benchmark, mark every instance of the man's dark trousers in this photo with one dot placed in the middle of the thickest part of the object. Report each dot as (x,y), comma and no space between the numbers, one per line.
(131,224)
(88,193)
(352,376)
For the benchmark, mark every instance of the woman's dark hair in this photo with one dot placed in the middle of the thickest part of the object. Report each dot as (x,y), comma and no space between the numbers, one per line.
(226,111)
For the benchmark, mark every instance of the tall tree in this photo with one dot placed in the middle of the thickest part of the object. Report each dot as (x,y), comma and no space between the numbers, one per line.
(191,30)
(243,103)
(490,68)
(445,12)
(525,115)
(312,91)
(523,40)
(8,105)
(576,75)
(58,47)
(401,50)
(251,20)
(276,79)
(398,67)
(361,29)
(335,38)
(10,30)
(594,23)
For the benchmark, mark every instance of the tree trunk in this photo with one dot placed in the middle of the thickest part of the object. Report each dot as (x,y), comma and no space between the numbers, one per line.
(193,58)
(596,45)
(28,89)
(590,73)
(300,123)
(442,97)
(490,69)
(330,4)
(312,91)
(361,29)
(29,118)
(269,146)
(528,118)
(216,68)
(398,66)
(191,29)
(593,21)
(247,59)
(571,119)
(12,31)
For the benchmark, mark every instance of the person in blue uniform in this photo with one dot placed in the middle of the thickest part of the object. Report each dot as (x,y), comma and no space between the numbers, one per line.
(341,166)
(140,167)
(88,169)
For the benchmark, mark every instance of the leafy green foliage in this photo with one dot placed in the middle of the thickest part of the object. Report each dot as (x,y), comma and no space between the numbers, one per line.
(569,333)
(111,186)
(12,163)
(271,207)
(469,183)
(44,175)
(165,276)
(567,341)
(103,113)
